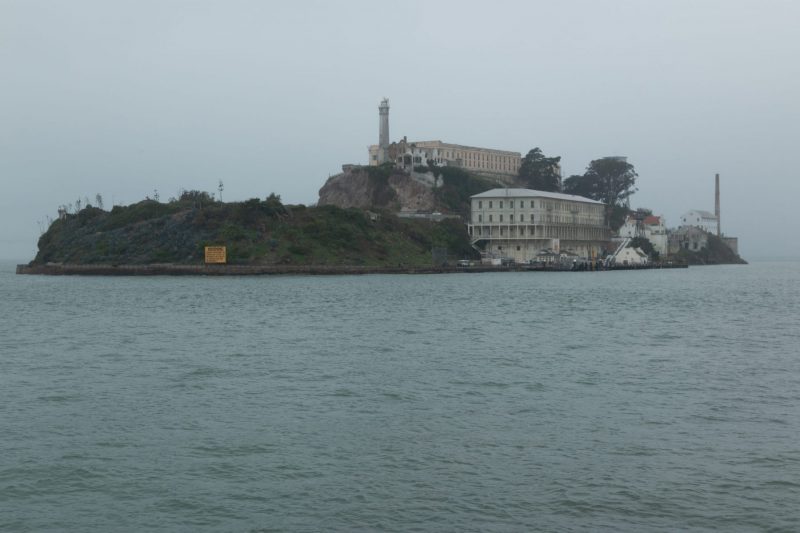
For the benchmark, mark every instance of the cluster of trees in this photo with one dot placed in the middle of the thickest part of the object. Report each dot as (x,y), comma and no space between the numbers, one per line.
(540,172)
(611,180)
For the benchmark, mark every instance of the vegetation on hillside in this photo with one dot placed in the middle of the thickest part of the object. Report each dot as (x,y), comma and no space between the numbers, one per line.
(382,193)
(255,232)
(456,187)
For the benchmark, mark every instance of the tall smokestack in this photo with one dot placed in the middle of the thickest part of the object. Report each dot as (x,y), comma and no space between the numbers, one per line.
(716,203)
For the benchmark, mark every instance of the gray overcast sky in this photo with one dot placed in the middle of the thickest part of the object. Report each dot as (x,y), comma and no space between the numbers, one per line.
(121,98)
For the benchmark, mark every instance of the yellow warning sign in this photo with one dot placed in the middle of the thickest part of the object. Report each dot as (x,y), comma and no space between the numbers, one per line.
(216,255)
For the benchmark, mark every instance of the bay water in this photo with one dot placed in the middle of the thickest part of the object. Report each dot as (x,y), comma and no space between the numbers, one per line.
(657,400)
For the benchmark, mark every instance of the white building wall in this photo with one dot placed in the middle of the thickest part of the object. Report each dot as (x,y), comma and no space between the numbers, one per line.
(628,229)
(700,219)
(520,227)
(660,242)
(631,256)
(476,159)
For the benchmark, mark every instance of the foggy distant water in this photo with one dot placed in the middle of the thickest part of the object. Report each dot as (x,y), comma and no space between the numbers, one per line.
(636,401)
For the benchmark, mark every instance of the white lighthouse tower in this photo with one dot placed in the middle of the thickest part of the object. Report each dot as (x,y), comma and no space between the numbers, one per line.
(383,136)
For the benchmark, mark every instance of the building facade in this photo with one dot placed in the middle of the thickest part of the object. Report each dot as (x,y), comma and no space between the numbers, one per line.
(700,219)
(478,160)
(523,224)
(631,257)
(651,227)
(500,164)
(691,238)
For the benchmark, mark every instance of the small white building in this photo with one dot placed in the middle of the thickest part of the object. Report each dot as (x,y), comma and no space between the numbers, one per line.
(631,257)
(520,223)
(652,227)
(700,219)
(655,229)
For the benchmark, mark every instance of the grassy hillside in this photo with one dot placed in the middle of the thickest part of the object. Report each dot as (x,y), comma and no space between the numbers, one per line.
(255,232)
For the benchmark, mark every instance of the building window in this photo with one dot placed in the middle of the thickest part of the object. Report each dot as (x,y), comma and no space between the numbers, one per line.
(480,218)
(531,204)
(480,204)
(511,218)
(518,248)
(490,218)
(490,204)
(501,217)
(511,204)
(522,217)
(501,204)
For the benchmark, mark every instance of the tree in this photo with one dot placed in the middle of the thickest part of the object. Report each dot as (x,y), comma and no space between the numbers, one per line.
(579,185)
(612,180)
(644,245)
(274,206)
(196,198)
(539,172)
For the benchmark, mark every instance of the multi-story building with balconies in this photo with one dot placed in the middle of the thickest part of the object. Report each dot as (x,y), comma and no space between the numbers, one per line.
(522,224)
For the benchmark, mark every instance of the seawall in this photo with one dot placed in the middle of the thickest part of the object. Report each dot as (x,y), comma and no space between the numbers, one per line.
(266,270)
(237,270)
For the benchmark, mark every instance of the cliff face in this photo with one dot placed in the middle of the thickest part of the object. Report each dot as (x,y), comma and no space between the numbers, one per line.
(376,188)
(444,189)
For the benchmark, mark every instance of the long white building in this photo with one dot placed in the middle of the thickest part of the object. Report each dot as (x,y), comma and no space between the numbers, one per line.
(521,223)
(500,164)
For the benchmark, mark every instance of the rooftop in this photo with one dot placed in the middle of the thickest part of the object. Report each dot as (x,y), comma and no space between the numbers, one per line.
(530,193)
(440,144)
(704,214)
